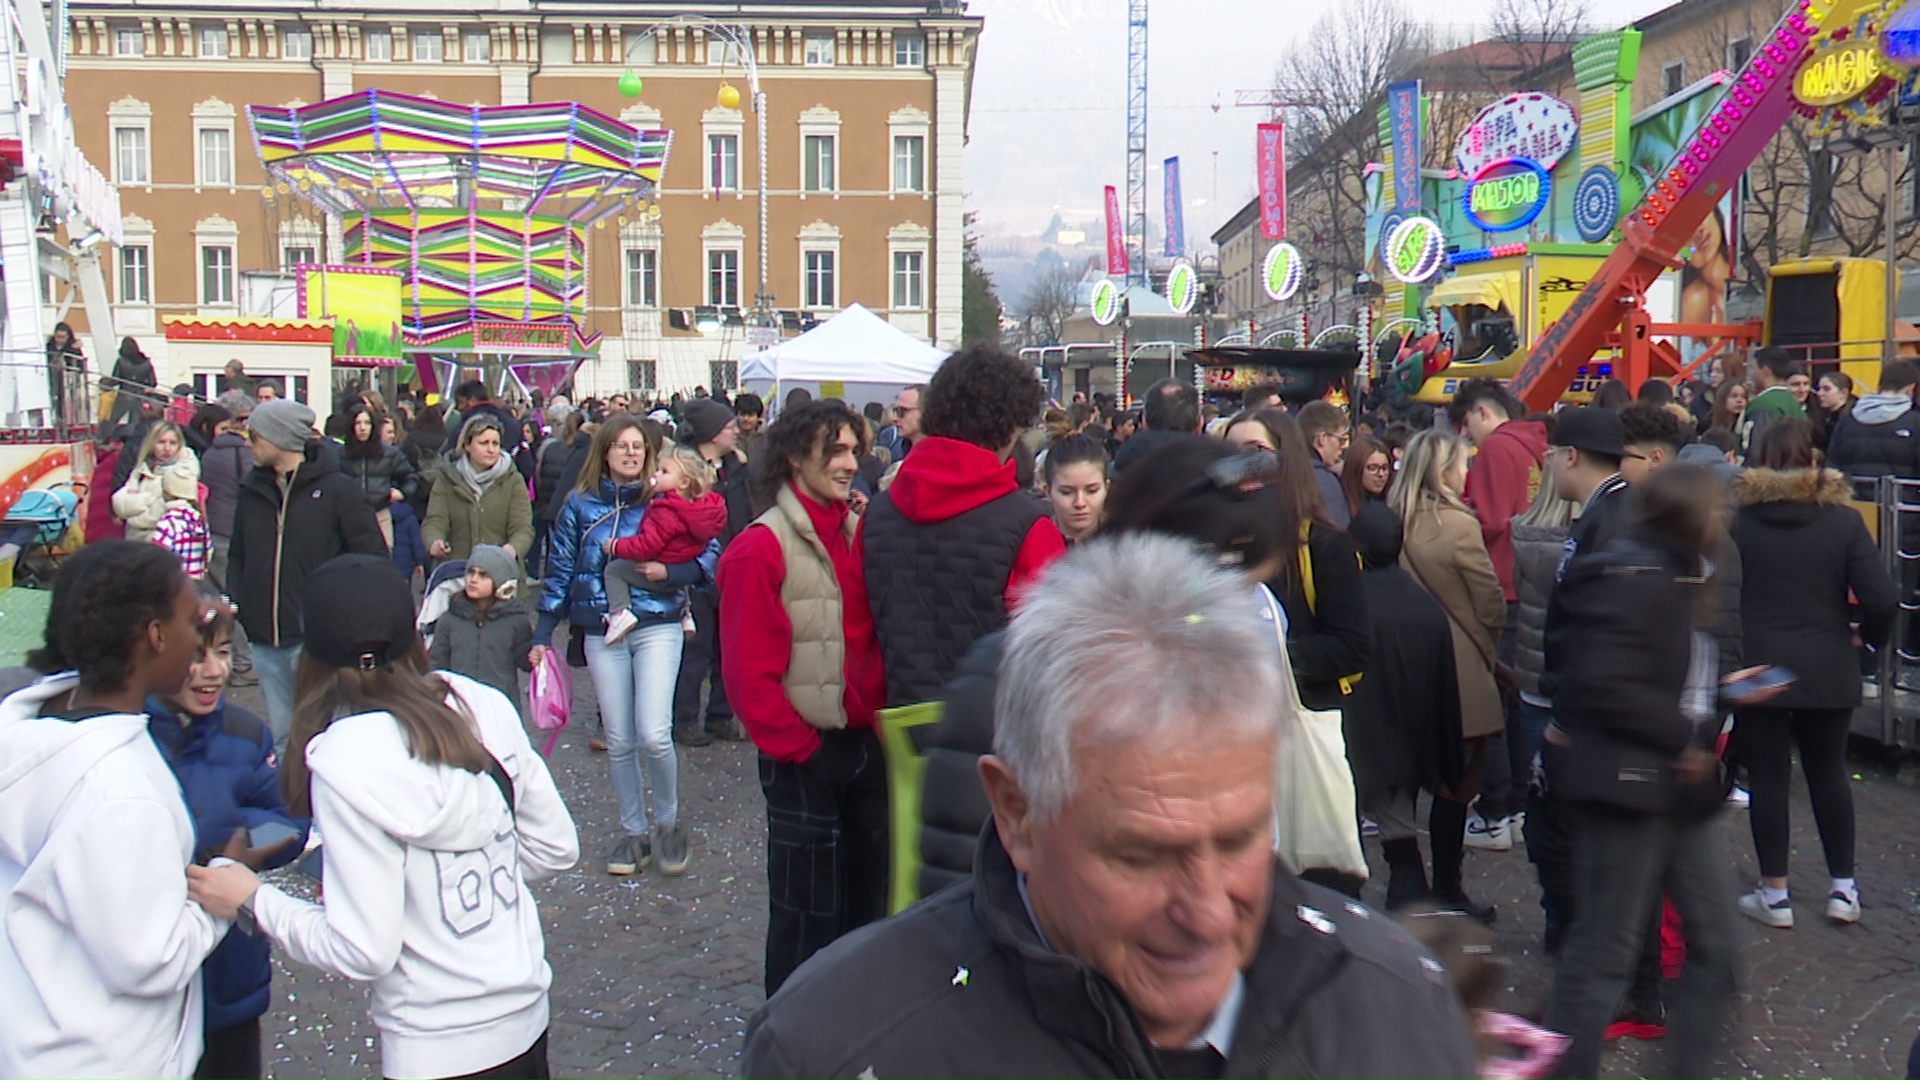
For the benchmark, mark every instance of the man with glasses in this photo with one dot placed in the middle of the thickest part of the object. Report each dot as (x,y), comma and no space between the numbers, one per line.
(1326,430)
(898,436)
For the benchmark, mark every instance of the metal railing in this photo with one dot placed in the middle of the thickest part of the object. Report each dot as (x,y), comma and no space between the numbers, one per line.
(1893,699)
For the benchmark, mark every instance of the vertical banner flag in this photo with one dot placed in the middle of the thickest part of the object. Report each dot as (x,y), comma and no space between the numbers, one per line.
(1270,159)
(1116,236)
(1403,123)
(1176,212)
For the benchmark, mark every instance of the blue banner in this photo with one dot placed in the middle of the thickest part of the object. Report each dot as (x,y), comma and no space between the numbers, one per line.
(1403,128)
(1176,212)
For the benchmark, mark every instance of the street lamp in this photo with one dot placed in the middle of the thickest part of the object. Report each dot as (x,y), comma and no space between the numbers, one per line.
(740,37)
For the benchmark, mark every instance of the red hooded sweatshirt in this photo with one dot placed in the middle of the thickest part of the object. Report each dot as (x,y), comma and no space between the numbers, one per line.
(944,478)
(1501,484)
(756,635)
(674,529)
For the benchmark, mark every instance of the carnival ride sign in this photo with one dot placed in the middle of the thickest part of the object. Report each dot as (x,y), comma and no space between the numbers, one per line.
(520,337)
(1105,306)
(1183,287)
(1415,249)
(1840,74)
(1507,195)
(1281,272)
(1538,127)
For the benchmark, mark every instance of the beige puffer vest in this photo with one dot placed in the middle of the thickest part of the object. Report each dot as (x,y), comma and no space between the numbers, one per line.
(816,679)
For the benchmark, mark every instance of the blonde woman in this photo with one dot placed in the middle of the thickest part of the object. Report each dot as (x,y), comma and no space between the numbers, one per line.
(167,472)
(1445,554)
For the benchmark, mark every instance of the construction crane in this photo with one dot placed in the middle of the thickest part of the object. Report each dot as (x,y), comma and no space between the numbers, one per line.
(1611,310)
(1137,140)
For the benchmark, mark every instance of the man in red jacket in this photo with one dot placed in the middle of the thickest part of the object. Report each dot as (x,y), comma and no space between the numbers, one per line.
(1501,483)
(802,670)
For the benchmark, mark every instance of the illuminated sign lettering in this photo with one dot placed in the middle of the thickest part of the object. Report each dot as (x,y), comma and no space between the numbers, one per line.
(1415,249)
(1106,302)
(1507,195)
(519,337)
(1838,75)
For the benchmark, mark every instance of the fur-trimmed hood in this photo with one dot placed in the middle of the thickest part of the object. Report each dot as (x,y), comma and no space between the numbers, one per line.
(1817,487)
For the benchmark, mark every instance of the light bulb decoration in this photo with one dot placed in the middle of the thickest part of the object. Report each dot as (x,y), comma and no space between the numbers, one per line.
(729,96)
(631,84)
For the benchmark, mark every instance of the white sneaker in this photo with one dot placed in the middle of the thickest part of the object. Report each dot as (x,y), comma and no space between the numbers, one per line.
(1738,798)
(618,624)
(1517,828)
(1368,828)
(1841,909)
(1487,835)
(1779,916)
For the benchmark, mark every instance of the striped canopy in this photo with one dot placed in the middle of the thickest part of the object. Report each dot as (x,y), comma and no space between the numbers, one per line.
(379,149)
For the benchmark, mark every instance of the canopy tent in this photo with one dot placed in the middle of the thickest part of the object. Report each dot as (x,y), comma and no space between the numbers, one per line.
(854,347)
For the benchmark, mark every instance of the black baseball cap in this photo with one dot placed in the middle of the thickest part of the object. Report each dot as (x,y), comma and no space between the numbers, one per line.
(356,611)
(1593,430)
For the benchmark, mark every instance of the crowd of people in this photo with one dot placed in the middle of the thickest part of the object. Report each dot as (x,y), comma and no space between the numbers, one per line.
(1188,660)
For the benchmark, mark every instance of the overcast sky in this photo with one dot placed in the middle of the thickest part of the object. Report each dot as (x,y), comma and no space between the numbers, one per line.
(1048,129)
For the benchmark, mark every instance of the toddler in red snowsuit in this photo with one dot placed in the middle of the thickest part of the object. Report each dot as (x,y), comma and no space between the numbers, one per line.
(683,517)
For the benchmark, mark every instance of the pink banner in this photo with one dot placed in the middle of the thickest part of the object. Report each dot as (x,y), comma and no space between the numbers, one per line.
(1116,235)
(1270,161)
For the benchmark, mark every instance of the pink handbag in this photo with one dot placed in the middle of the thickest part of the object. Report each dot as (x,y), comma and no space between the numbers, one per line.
(550,695)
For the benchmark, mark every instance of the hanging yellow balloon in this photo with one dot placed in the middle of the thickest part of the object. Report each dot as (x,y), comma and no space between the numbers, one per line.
(653,212)
(729,97)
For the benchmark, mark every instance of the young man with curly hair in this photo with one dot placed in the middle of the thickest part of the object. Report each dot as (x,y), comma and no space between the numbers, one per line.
(950,545)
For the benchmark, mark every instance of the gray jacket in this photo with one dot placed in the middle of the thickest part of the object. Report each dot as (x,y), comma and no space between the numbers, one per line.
(960,984)
(491,646)
(1536,555)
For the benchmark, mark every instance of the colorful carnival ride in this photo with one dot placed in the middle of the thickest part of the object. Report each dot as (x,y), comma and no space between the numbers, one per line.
(464,227)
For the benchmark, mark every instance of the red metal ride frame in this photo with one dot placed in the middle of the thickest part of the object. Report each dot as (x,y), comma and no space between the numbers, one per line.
(1752,108)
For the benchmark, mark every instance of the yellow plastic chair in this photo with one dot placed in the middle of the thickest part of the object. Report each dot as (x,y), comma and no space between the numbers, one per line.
(906,775)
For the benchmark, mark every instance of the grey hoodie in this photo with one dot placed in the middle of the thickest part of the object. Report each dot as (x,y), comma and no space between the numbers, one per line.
(1882,408)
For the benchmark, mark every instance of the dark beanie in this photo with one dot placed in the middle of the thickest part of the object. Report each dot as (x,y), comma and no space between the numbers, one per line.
(705,418)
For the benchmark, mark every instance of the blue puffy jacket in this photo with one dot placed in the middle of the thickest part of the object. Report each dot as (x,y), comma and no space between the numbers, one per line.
(230,780)
(409,549)
(575,589)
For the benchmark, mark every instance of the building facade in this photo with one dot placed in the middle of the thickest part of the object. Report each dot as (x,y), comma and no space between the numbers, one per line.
(866,114)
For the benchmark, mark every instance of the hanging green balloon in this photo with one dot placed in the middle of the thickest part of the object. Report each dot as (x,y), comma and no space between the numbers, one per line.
(630,84)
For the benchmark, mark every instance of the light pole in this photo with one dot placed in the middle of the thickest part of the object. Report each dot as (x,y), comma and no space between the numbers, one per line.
(741,39)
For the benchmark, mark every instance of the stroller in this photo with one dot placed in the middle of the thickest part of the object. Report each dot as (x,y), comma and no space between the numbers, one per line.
(448,578)
(34,528)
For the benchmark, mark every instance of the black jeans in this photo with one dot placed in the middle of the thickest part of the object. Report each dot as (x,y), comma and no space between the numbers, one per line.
(1625,860)
(1764,740)
(700,662)
(531,1065)
(827,853)
(1510,752)
(231,1053)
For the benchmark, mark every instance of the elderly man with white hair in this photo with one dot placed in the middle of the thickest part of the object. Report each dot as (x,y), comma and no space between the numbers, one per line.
(1126,915)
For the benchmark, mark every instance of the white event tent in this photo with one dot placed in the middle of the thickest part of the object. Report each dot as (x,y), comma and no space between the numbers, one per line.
(856,356)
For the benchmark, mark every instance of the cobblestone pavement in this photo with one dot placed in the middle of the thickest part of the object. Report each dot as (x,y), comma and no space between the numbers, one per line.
(656,976)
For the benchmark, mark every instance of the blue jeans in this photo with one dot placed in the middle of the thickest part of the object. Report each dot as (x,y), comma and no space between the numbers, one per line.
(634,679)
(275,664)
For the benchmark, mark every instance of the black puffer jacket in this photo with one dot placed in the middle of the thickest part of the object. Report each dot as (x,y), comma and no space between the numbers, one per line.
(1618,695)
(282,534)
(1803,550)
(1536,555)
(222,467)
(549,466)
(1879,436)
(962,985)
(1327,638)
(390,471)
(953,804)
(1602,520)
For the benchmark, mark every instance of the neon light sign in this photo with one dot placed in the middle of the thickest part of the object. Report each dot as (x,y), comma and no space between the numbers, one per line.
(1838,75)
(1281,272)
(1106,302)
(1183,287)
(1506,195)
(1415,249)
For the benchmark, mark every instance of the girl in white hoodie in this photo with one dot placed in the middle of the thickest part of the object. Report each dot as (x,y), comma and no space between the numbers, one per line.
(100,950)
(436,813)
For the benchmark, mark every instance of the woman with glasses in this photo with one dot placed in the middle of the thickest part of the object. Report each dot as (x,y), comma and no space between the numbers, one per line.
(1445,554)
(1366,473)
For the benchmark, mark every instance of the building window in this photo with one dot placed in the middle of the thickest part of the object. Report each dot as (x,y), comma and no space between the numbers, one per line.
(216,274)
(379,45)
(643,278)
(817,163)
(1673,78)
(909,51)
(723,278)
(724,53)
(723,162)
(642,49)
(909,280)
(477,48)
(641,374)
(216,157)
(723,375)
(129,41)
(556,46)
(297,255)
(213,43)
(909,163)
(134,274)
(130,155)
(819,285)
(426,47)
(1738,52)
(296,45)
(819,50)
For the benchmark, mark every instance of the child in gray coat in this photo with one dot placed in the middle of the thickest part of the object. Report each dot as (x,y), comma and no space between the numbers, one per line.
(486,634)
